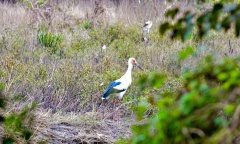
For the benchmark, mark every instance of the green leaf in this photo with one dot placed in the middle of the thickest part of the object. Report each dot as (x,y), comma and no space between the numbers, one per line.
(187,102)
(172,13)
(193,84)
(188,16)
(2,118)
(26,134)
(203,24)
(174,33)
(2,103)
(40,2)
(8,140)
(142,107)
(235,74)
(237,26)
(219,121)
(156,80)
(230,8)
(142,82)
(226,23)
(2,86)
(200,20)
(217,7)
(13,123)
(229,109)
(187,34)
(185,53)
(29,5)
(204,18)
(218,27)
(164,27)
(223,76)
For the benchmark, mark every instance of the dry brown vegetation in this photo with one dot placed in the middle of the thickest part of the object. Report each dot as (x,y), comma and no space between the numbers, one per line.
(68,79)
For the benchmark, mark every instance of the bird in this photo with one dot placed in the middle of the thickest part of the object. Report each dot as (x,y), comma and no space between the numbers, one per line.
(147,26)
(120,86)
(146,29)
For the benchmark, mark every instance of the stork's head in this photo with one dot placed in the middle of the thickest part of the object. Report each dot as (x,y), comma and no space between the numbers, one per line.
(132,61)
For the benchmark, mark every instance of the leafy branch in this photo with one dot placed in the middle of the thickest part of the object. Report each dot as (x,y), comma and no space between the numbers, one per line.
(217,18)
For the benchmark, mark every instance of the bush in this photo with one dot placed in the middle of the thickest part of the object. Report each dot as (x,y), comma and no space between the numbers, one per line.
(206,109)
(16,126)
(86,25)
(47,39)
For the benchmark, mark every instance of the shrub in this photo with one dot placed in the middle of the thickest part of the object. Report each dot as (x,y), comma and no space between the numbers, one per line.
(47,39)
(16,126)
(86,25)
(205,110)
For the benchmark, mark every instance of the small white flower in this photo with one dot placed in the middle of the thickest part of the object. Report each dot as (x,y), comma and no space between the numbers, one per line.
(104,47)
(101,84)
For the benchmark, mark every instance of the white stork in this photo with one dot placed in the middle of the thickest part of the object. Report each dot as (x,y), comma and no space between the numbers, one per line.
(120,86)
(146,29)
(147,26)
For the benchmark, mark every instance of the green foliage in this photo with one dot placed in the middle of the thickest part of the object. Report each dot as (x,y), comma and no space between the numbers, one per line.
(204,112)
(40,2)
(120,39)
(182,55)
(172,13)
(8,141)
(121,32)
(47,39)
(219,17)
(154,79)
(16,125)
(206,108)
(30,4)
(86,25)
(122,141)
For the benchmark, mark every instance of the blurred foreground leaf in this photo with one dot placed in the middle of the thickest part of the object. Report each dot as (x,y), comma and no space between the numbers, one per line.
(185,53)
(209,20)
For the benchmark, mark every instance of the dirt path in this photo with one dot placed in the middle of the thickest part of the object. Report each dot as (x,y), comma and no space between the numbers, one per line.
(73,131)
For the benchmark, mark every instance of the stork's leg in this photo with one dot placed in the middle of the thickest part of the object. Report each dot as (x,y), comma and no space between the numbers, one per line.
(103,107)
(113,105)
(119,104)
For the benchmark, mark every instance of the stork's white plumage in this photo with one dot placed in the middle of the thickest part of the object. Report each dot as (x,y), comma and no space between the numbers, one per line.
(119,86)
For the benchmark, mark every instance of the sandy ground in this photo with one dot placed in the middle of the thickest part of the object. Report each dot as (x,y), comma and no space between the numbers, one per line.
(81,130)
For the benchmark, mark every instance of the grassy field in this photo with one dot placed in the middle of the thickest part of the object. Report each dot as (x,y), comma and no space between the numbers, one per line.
(52,54)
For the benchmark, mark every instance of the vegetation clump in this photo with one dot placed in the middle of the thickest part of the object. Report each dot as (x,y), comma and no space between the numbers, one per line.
(16,126)
(204,110)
